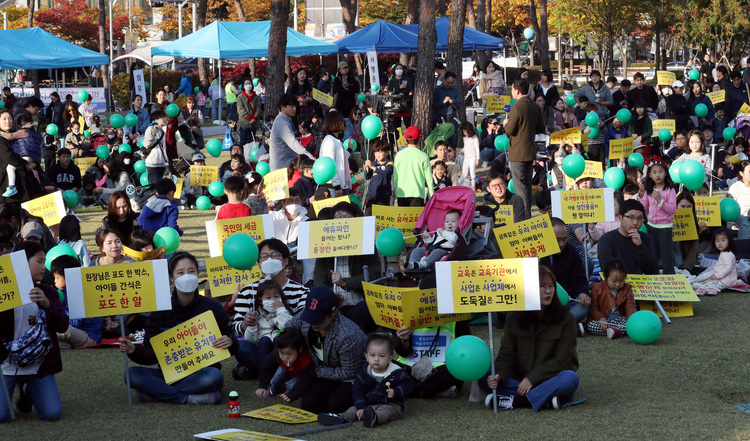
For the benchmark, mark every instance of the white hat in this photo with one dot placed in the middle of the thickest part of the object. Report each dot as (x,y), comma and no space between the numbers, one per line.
(678,83)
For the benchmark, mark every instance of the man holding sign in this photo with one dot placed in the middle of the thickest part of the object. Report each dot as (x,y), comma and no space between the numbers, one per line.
(202,386)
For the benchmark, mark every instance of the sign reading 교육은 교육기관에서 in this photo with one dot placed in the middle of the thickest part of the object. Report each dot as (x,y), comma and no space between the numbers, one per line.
(353,236)
(15,281)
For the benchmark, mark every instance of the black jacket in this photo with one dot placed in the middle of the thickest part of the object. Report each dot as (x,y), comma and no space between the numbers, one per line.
(367,391)
(678,110)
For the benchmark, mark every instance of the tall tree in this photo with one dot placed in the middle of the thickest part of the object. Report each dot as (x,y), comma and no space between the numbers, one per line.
(425,80)
(456,43)
(442,6)
(540,32)
(34,72)
(200,23)
(276,55)
(349,12)
(104,69)
(411,18)
(482,56)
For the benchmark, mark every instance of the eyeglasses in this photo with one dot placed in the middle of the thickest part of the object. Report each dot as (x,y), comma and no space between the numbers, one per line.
(636,219)
(496,186)
(275,255)
(449,83)
(494,123)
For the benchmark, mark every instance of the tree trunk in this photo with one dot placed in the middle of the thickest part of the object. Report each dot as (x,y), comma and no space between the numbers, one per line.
(543,39)
(34,73)
(481,14)
(481,56)
(425,81)
(657,42)
(455,46)
(288,68)
(349,11)
(251,66)
(200,24)
(240,10)
(443,8)
(411,18)
(103,49)
(276,55)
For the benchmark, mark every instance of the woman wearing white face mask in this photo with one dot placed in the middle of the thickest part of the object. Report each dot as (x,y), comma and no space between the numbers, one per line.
(274,259)
(404,85)
(201,387)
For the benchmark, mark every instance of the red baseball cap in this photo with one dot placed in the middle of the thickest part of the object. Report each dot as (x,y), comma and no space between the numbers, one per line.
(412,133)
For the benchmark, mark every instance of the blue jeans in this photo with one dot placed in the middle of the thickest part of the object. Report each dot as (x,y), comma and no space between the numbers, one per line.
(215,110)
(562,385)
(283,381)
(151,382)
(744,223)
(251,355)
(579,311)
(42,392)
(489,155)
(231,110)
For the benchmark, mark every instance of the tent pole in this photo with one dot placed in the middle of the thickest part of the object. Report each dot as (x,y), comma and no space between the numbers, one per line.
(151,79)
(221,108)
(57,89)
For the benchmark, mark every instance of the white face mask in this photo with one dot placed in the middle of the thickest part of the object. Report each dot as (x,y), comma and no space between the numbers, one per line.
(248,87)
(186,283)
(293,209)
(399,72)
(111,136)
(268,306)
(126,161)
(271,267)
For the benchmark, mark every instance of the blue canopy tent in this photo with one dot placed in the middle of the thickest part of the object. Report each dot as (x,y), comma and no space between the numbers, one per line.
(35,48)
(474,40)
(382,37)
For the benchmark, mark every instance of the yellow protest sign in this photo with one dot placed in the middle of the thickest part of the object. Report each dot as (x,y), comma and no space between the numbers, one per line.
(745,109)
(683,225)
(140,256)
(277,185)
(283,414)
(673,309)
(593,169)
(572,134)
(218,231)
(178,188)
(322,98)
(84,163)
(496,104)
(244,435)
(181,101)
(50,208)
(504,215)
(582,206)
(659,124)
(394,307)
(400,218)
(665,78)
(620,147)
(531,238)
(15,281)
(203,175)
(400,142)
(330,202)
(707,210)
(716,98)
(126,288)
(336,237)
(488,285)
(186,348)
(223,279)
(673,287)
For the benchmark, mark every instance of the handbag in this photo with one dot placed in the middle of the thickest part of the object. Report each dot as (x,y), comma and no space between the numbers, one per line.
(32,344)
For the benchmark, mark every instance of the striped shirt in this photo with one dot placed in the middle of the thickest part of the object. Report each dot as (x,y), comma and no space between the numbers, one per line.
(295,294)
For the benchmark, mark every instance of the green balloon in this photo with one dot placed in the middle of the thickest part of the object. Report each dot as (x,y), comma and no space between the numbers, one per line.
(730,209)
(614,177)
(728,133)
(140,166)
(125,148)
(146,85)
(643,228)
(643,327)
(468,358)
(592,119)
(102,152)
(57,251)
(2,104)
(324,169)
(694,74)
(52,129)
(167,237)
(374,87)
(674,171)
(371,126)
(623,115)
(562,294)
(213,147)
(254,154)
(216,189)
(574,165)
(636,160)
(71,198)
(665,135)
(173,110)
(240,251)
(144,179)
(350,144)
(256,81)
(593,132)
(117,121)
(692,174)
(502,143)
(203,202)
(82,95)
(570,100)
(355,200)
(87,133)
(196,89)
(511,186)
(263,168)
(131,120)
(140,142)
(701,110)
(390,242)
(361,97)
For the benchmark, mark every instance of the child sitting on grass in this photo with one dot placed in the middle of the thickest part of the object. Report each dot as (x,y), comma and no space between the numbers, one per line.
(379,390)
(81,333)
(234,188)
(724,273)
(288,368)
(612,302)
(439,244)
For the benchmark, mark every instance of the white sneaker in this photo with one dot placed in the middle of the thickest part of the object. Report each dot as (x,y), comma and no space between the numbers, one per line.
(556,403)
(503,402)
(484,164)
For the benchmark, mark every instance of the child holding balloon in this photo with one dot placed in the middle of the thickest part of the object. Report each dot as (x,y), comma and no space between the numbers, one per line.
(724,273)
(698,153)
(612,302)
(660,202)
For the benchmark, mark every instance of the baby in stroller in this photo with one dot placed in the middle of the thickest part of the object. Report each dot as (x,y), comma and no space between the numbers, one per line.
(438,244)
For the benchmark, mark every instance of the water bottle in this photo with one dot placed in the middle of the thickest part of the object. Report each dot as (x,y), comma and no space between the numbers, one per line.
(234,405)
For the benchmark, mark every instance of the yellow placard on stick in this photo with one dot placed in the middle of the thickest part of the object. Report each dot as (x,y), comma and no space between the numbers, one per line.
(496,104)
(683,225)
(330,202)
(673,309)
(283,414)
(84,163)
(50,208)
(203,175)
(242,435)
(336,237)
(488,285)
(186,348)
(126,288)
(218,231)
(276,185)
(178,188)
(744,110)
(572,134)
(707,210)
(322,98)
(593,169)
(400,218)
(620,147)
(665,78)
(223,279)
(504,215)
(394,307)
(716,97)
(581,206)
(671,287)
(15,281)
(140,256)
(659,124)
(531,238)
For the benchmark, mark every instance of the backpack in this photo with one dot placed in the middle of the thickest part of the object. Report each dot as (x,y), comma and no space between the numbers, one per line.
(32,344)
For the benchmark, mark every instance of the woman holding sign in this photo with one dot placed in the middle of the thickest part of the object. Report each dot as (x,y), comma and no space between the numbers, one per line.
(201,387)
(537,360)
(44,317)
